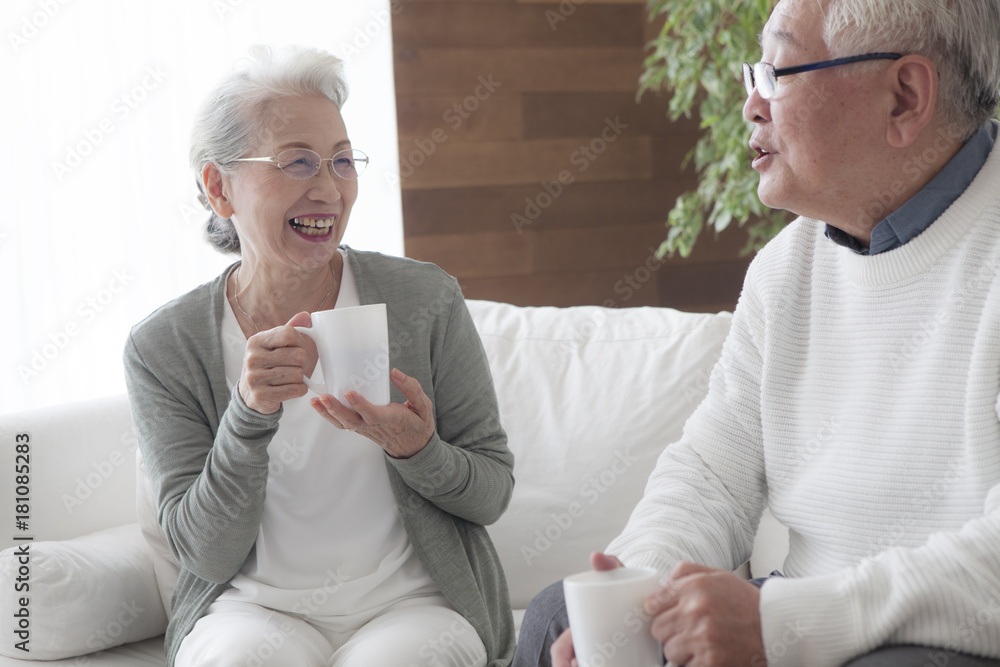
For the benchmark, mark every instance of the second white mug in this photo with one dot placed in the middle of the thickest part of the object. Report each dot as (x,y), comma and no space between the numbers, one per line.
(610,627)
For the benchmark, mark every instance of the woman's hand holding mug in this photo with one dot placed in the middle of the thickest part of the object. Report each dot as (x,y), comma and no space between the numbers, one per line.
(274,364)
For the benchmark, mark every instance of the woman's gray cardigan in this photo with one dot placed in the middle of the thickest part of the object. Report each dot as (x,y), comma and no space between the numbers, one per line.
(206,451)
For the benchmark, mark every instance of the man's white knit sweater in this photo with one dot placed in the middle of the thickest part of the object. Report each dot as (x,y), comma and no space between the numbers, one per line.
(857,397)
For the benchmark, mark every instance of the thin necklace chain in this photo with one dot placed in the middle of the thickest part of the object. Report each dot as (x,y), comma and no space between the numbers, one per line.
(236,296)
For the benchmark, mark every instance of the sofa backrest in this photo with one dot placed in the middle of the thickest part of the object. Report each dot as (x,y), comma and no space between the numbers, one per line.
(589,397)
(81,468)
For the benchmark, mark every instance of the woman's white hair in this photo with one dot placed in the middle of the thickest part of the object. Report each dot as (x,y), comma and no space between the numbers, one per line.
(240,112)
(962,37)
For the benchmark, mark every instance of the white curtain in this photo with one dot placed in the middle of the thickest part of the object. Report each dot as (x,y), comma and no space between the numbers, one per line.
(100,225)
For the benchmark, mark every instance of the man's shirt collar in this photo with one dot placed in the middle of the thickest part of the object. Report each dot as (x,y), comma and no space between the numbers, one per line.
(923,208)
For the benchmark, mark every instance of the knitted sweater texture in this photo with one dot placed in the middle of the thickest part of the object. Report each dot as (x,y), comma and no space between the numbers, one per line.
(857,397)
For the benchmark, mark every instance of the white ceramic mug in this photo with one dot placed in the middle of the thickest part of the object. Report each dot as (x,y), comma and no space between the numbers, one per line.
(353,347)
(610,626)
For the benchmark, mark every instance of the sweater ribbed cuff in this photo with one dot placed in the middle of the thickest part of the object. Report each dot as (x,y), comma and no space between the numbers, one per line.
(247,423)
(808,621)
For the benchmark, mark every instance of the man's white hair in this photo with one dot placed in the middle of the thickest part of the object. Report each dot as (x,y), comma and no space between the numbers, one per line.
(962,37)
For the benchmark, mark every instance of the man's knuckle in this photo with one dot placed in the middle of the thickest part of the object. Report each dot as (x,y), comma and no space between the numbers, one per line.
(697,606)
(711,633)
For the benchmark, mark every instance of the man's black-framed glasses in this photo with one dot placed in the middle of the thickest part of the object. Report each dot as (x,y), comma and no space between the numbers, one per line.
(764,77)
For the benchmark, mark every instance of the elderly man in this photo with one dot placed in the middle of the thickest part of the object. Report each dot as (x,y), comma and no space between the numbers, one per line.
(871,325)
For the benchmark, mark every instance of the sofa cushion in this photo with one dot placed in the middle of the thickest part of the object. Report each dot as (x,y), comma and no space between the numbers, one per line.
(85,594)
(81,467)
(589,397)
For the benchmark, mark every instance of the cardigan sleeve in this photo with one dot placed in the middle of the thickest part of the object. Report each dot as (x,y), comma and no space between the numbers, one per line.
(208,481)
(466,468)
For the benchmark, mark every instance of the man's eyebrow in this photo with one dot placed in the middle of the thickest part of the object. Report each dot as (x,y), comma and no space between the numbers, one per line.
(780,35)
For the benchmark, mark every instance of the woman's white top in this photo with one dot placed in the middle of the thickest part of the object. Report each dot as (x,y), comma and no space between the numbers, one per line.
(331,545)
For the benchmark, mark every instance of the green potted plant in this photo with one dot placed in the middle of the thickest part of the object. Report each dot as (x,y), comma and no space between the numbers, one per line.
(697,55)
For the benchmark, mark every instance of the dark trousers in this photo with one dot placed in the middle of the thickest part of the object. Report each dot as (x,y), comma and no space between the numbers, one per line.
(546,619)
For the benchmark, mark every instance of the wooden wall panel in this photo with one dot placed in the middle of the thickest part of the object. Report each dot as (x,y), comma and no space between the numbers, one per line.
(600,204)
(528,168)
(499,118)
(426,70)
(506,25)
(463,165)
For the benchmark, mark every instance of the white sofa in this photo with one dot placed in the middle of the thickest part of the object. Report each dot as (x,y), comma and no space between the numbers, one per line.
(589,397)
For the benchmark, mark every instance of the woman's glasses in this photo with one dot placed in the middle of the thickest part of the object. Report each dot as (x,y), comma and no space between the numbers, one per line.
(302,163)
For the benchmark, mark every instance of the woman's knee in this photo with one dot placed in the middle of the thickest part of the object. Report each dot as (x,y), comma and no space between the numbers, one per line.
(232,635)
(416,636)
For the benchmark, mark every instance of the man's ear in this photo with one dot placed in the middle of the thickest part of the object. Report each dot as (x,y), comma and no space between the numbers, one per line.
(216,184)
(914,86)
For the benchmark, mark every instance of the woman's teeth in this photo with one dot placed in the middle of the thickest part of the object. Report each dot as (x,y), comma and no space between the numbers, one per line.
(312,226)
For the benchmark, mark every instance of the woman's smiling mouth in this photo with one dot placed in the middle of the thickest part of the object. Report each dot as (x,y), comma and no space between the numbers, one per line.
(313,227)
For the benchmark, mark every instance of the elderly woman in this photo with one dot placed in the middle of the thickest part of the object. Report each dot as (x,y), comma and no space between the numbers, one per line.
(365,544)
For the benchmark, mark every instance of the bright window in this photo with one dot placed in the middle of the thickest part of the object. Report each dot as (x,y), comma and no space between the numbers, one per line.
(100,223)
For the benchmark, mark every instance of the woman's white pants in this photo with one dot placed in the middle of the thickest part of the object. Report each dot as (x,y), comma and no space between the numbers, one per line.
(243,634)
